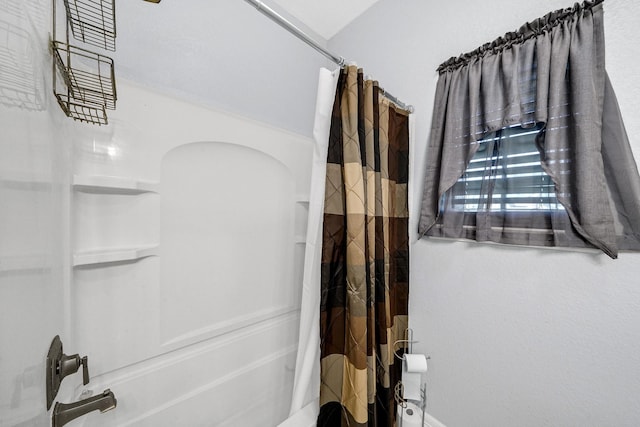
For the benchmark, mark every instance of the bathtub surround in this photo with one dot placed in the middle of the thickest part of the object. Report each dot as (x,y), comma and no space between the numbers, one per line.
(549,73)
(365,256)
(83,206)
(88,213)
(34,165)
(173,333)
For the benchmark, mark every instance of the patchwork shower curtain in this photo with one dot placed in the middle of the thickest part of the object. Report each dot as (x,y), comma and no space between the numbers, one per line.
(365,256)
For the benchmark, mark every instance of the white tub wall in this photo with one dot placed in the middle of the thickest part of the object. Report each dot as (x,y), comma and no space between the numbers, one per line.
(228,372)
(34,163)
(517,337)
(231,370)
(137,317)
(255,74)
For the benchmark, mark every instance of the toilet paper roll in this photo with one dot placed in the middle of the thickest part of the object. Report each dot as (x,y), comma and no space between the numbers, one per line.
(413,366)
(411,382)
(411,416)
(415,363)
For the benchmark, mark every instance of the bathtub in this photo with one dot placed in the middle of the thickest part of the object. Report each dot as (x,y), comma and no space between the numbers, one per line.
(430,421)
(307,416)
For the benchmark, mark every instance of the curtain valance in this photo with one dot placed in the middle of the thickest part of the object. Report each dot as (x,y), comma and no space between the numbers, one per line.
(551,75)
(529,30)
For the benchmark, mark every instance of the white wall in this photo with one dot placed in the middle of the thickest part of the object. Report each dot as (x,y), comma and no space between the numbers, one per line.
(517,337)
(221,53)
(34,162)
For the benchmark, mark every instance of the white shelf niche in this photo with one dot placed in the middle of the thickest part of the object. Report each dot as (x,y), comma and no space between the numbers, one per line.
(113,184)
(16,263)
(110,255)
(302,199)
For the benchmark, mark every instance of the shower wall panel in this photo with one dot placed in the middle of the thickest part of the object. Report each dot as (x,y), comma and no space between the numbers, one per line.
(226,234)
(187,257)
(33,208)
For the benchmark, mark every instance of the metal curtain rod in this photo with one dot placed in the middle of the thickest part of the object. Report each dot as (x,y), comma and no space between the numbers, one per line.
(287,25)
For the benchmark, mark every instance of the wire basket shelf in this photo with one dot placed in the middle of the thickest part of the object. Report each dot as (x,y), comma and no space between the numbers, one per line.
(89,83)
(88,113)
(89,76)
(93,22)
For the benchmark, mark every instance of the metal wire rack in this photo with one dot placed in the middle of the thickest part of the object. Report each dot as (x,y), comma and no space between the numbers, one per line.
(90,76)
(93,22)
(87,113)
(89,83)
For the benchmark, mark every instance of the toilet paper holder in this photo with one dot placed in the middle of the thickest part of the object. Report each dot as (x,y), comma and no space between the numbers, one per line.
(408,339)
(413,394)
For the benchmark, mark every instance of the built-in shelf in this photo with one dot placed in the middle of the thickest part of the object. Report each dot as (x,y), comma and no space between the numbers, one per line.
(302,198)
(113,184)
(25,181)
(14,263)
(109,255)
(303,201)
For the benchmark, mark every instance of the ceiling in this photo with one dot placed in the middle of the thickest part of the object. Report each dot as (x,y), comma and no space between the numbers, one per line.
(326,17)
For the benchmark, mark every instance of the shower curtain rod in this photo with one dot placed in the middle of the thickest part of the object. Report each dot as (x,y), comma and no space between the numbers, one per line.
(287,25)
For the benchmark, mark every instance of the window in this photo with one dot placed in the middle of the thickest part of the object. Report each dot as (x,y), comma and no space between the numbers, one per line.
(505,175)
(505,195)
(570,180)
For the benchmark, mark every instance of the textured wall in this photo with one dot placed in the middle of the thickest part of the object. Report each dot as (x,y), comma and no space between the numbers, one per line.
(223,54)
(517,336)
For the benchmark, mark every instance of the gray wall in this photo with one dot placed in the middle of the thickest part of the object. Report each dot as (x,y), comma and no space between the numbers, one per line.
(226,55)
(517,336)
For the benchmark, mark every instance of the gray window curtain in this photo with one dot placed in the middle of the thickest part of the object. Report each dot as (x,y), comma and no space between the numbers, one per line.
(549,73)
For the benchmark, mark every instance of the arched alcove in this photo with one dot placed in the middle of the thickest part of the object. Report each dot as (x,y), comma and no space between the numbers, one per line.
(227,240)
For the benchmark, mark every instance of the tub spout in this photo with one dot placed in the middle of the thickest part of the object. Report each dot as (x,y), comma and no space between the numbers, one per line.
(65,412)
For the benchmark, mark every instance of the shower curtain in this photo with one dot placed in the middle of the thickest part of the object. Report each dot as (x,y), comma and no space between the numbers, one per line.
(364,264)
(306,386)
